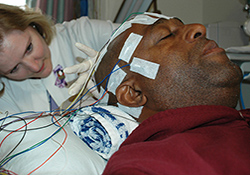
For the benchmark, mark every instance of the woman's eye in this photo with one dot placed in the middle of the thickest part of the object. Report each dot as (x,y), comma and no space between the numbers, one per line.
(29,48)
(166,36)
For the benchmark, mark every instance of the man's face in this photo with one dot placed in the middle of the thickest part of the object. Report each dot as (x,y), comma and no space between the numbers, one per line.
(192,68)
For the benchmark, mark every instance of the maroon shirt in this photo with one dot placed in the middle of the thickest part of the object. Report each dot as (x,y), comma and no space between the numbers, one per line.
(202,140)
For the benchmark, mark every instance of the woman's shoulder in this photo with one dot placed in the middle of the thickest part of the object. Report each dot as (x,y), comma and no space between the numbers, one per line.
(28,83)
(85,22)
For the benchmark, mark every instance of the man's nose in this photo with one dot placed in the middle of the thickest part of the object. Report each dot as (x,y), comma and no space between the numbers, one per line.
(194,31)
(31,64)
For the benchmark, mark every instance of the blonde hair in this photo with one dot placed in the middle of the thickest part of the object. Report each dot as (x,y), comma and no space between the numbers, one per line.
(13,17)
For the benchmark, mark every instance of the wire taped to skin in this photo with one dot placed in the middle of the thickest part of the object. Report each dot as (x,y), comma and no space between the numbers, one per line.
(105,99)
(127,51)
(116,79)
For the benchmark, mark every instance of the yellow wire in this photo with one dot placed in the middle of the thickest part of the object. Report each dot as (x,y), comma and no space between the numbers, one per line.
(85,84)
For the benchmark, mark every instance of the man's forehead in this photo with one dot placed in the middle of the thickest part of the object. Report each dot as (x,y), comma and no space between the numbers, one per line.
(145,19)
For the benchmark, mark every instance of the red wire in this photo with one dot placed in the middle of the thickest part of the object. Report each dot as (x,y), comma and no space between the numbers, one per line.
(99,98)
(19,129)
(66,136)
(7,172)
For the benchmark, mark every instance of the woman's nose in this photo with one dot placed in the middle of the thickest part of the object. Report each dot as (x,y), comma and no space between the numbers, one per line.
(31,64)
(194,31)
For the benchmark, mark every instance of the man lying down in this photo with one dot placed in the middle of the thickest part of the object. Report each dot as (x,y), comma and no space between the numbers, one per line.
(183,90)
(179,85)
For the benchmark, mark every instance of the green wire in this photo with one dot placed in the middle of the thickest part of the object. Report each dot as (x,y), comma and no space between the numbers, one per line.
(39,143)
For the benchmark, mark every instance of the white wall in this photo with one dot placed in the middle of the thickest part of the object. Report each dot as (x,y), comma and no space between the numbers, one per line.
(109,9)
(190,11)
(204,11)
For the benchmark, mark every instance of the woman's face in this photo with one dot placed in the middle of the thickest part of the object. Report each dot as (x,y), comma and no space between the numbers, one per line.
(25,55)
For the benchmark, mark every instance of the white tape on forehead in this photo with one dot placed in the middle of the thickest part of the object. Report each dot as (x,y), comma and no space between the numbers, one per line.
(144,67)
(129,47)
(139,19)
(157,15)
(134,111)
(116,79)
(121,28)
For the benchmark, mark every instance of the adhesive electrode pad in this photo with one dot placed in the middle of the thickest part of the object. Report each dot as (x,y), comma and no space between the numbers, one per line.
(144,67)
(145,19)
(129,47)
(115,79)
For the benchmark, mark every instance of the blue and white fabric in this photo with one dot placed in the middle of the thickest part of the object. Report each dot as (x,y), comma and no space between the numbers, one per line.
(102,128)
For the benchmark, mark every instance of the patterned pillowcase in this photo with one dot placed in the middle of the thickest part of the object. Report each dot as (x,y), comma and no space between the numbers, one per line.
(102,128)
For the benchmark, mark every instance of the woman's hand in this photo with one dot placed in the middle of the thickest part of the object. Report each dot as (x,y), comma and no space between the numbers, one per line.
(83,69)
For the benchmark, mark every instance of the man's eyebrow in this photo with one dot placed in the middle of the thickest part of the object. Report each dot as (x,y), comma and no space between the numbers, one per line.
(162,20)
(159,21)
(179,20)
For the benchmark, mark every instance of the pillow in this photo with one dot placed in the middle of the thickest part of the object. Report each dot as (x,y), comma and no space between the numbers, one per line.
(73,155)
(102,128)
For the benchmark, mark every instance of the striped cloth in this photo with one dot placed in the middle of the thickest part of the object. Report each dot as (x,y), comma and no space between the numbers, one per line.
(102,128)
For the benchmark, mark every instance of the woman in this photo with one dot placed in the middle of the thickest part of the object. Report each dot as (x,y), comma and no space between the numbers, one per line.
(33,54)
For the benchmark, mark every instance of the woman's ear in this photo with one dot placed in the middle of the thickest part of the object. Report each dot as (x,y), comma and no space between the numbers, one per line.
(129,94)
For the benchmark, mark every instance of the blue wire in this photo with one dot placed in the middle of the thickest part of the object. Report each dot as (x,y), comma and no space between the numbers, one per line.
(34,112)
(44,141)
(19,114)
(112,71)
(108,76)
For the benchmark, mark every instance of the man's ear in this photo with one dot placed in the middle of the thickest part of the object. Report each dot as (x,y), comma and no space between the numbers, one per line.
(129,94)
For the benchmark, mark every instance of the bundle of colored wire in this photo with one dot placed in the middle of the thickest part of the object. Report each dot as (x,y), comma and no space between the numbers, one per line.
(99,84)
(66,135)
(7,159)
(92,71)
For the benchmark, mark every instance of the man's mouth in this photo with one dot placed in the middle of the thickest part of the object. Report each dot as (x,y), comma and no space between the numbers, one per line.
(211,47)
